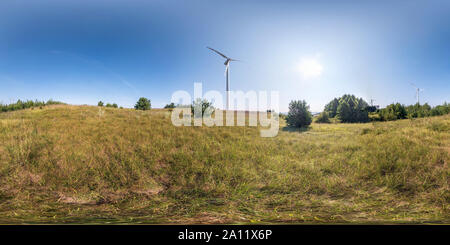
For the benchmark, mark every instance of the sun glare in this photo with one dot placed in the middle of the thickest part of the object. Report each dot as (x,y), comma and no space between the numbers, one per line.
(310,68)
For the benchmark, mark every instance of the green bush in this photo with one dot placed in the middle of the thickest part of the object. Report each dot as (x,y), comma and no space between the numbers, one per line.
(100,103)
(393,112)
(440,109)
(169,106)
(417,110)
(299,115)
(323,118)
(143,104)
(114,105)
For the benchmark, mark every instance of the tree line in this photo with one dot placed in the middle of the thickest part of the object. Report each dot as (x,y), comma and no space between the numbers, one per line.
(20,105)
(398,111)
(142,104)
(350,109)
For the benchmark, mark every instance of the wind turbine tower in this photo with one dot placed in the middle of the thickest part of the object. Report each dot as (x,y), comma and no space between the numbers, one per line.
(418,90)
(227,75)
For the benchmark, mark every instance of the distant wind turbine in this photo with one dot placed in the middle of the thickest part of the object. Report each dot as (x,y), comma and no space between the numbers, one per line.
(227,69)
(418,90)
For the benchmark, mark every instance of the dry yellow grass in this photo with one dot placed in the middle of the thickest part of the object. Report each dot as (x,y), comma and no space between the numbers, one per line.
(83,164)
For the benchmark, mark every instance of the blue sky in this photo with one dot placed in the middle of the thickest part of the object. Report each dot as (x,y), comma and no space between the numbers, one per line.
(81,52)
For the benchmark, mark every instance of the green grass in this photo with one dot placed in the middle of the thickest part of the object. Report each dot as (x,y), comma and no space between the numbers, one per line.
(81,164)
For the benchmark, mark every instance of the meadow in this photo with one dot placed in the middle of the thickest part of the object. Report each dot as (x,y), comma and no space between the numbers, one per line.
(86,164)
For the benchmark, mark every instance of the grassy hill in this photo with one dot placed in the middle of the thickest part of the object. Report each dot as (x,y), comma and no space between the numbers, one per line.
(83,164)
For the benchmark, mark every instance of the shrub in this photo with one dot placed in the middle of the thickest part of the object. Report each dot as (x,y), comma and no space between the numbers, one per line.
(170,106)
(441,109)
(114,105)
(143,104)
(299,114)
(417,110)
(393,112)
(374,116)
(100,103)
(49,102)
(323,118)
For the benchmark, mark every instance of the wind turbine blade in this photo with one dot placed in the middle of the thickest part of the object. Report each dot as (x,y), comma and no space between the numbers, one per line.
(219,53)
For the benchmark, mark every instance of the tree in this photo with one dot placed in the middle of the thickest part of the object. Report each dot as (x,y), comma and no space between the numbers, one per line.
(349,108)
(299,114)
(143,104)
(202,106)
(19,105)
(440,109)
(418,110)
(393,112)
(323,118)
(170,106)
(352,109)
(425,110)
(371,109)
(100,103)
(331,108)
(114,105)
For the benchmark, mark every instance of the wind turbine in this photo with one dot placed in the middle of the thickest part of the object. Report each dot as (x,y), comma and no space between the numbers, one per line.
(418,90)
(227,70)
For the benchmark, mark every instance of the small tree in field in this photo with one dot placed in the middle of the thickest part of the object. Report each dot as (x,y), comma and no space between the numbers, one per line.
(202,107)
(143,104)
(299,115)
(100,103)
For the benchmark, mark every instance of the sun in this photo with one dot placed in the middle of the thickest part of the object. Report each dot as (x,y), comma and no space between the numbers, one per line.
(310,68)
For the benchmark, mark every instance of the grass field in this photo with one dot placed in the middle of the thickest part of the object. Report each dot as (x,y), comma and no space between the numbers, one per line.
(83,164)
